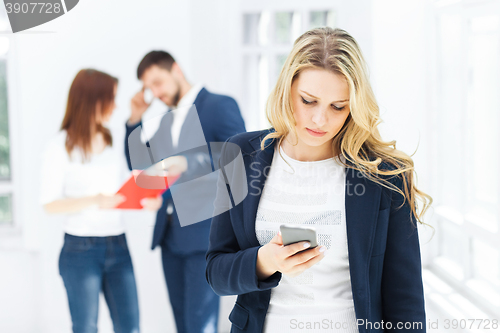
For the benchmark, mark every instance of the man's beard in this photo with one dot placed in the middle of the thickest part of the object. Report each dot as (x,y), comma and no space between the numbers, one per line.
(177,95)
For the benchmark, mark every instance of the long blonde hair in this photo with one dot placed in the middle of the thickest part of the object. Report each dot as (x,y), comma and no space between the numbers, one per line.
(359,139)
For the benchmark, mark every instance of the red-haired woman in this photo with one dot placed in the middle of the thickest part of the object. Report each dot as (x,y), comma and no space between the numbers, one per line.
(80,174)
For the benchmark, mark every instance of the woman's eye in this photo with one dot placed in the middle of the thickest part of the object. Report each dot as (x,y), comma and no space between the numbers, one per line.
(310,102)
(305,101)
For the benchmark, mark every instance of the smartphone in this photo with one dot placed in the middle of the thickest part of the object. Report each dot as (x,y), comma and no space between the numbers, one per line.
(148,96)
(293,234)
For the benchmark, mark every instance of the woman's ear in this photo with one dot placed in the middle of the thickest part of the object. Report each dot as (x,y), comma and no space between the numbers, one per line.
(176,71)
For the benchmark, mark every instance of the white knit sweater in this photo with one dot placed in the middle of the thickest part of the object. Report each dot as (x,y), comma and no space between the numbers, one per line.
(309,194)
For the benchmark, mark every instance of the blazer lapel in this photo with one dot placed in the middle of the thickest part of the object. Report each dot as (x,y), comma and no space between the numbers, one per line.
(362,199)
(256,177)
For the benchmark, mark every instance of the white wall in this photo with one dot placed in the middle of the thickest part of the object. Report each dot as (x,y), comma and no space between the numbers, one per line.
(111,36)
(204,37)
(401,74)
(216,25)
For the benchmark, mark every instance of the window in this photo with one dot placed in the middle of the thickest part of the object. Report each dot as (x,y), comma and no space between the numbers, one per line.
(468,160)
(6,189)
(267,39)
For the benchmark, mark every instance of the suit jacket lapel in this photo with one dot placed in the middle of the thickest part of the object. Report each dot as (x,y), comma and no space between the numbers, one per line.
(191,134)
(362,200)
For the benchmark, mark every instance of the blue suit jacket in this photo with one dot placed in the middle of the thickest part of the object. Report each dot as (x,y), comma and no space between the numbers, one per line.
(220,118)
(383,245)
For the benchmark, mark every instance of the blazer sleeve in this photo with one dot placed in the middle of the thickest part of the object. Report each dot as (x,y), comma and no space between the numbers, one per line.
(230,269)
(230,122)
(402,287)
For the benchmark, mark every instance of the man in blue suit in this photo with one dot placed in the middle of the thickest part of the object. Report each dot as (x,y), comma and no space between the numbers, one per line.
(195,305)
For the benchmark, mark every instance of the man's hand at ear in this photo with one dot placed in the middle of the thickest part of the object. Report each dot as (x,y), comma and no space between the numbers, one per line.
(137,106)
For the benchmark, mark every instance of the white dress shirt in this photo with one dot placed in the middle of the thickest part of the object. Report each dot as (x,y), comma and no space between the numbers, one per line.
(182,110)
(180,114)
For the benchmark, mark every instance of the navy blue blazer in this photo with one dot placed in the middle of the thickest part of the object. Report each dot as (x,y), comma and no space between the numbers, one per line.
(220,119)
(383,246)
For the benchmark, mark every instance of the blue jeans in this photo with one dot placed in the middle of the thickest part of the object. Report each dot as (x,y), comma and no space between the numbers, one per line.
(90,264)
(194,303)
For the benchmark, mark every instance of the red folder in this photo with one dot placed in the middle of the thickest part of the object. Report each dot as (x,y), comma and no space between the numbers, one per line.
(140,186)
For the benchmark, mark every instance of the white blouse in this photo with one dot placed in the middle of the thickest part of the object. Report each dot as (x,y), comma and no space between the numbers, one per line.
(64,178)
(309,194)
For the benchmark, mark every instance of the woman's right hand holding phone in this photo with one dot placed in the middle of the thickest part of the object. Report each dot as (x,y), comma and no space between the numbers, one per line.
(274,256)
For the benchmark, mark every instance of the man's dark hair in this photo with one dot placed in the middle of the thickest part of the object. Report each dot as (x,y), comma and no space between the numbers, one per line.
(161,59)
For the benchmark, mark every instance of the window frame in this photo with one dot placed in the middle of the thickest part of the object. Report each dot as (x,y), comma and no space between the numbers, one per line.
(254,91)
(446,215)
(12,185)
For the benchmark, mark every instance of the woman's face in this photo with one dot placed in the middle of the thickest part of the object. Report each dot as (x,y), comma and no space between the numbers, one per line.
(320,106)
(107,114)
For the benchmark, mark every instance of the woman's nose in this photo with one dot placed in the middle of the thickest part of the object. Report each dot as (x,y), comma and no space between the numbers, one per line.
(319,116)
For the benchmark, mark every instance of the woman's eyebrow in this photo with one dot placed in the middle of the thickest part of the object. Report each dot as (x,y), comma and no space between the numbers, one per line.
(305,92)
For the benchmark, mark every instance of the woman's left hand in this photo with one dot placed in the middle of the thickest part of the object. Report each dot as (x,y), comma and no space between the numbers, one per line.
(152,204)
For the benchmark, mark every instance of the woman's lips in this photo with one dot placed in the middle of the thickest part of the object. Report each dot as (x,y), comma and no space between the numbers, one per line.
(314,133)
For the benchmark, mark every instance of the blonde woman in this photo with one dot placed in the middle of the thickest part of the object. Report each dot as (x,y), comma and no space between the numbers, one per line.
(323,164)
